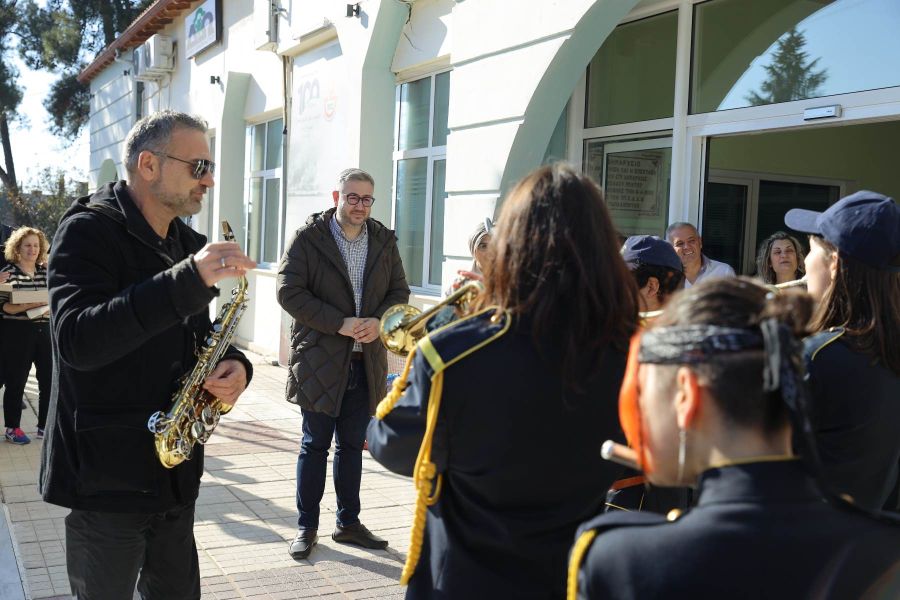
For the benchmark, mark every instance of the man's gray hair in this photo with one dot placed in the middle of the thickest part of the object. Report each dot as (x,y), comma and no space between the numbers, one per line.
(153,132)
(354,175)
(678,225)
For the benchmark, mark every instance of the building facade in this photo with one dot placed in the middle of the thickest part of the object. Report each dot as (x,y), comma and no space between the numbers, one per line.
(725,113)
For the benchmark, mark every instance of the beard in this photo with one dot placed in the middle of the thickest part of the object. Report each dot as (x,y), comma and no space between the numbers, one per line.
(182,205)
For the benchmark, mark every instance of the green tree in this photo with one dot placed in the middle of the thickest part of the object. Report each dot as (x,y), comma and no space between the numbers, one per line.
(62,37)
(47,198)
(791,75)
(10,92)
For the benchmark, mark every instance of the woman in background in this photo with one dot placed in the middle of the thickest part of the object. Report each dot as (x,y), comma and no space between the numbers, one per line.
(24,339)
(780,259)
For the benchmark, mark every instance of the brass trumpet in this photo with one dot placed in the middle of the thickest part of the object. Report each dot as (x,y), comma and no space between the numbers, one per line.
(402,325)
(800,283)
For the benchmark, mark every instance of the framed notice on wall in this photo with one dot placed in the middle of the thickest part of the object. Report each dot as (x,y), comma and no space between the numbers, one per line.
(202,27)
(635,178)
(633,183)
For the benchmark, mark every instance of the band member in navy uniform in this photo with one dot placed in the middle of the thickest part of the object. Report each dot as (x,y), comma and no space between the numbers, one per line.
(502,422)
(659,274)
(853,270)
(710,398)
(656,268)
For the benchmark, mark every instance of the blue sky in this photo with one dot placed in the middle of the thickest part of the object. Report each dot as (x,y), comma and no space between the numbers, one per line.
(848,36)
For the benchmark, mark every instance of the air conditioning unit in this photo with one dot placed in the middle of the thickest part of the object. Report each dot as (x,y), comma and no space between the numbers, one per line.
(154,59)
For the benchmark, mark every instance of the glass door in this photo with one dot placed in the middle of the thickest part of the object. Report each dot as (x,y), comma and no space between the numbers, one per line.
(741,210)
(727,220)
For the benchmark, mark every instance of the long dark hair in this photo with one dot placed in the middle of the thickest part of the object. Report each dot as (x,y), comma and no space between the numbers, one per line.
(736,379)
(555,261)
(866,303)
(764,268)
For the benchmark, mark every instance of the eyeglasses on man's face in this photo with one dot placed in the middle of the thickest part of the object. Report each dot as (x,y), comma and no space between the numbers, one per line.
(201,166)
(354,199)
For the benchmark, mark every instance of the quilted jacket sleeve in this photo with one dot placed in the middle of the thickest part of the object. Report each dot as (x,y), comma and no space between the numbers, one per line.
(293,289)
(398,289)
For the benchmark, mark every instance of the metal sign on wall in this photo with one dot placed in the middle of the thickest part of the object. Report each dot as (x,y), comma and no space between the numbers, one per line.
(203,27)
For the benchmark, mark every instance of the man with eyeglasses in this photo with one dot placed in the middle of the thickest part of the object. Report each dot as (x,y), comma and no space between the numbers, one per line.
(130,287)
(339,274)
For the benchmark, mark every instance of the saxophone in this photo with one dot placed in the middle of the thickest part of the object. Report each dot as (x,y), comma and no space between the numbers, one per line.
(194,412)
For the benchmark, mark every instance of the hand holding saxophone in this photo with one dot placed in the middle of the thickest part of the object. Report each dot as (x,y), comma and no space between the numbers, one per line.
(227,381)
(219,260)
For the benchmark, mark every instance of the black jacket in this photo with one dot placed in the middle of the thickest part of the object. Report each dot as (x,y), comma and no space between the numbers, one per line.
(128,310)
(855,414)
(314,288)
(759,531)
(520,458)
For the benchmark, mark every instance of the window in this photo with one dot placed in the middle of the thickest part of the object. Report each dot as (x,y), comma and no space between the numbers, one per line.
(771,51)
(264,191)
(632,76)
(419,175)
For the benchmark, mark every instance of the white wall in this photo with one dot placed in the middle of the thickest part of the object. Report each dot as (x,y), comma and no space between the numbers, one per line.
(511,68)
(111,117)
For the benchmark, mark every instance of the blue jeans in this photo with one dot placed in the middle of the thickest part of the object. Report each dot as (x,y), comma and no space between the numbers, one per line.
(349,431)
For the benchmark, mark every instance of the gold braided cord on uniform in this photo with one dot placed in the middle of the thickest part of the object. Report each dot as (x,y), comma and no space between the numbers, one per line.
(424,480)
(390,401)
(425,476)
(425,471)
(578,551)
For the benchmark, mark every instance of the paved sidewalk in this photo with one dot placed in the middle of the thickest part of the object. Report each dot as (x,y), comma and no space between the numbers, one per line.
(246,513)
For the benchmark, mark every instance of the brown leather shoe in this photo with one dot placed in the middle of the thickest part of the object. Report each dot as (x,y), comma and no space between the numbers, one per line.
(358,535)
(303,543)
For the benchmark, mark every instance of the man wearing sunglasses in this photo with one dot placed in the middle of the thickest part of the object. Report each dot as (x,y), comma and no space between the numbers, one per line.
(336,278)
(130,287)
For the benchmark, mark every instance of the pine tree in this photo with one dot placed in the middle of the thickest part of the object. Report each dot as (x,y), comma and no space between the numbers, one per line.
(791,76)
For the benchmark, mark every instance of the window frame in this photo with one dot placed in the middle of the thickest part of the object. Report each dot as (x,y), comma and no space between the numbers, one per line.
(690,132)
(432,154)
(265,175)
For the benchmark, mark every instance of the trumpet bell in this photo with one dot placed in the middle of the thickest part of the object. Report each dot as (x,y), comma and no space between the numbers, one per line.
(395,336)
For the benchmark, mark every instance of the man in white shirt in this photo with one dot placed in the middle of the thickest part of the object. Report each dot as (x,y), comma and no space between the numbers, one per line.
(688,245)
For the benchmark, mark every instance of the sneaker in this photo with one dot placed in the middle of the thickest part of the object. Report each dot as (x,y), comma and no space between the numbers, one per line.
(16,436)
(40,433)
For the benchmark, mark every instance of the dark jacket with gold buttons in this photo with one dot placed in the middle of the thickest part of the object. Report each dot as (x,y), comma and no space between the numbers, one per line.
(519,455)
(759,531)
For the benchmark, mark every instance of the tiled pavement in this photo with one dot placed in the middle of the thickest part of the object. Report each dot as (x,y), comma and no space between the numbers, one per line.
(245,517)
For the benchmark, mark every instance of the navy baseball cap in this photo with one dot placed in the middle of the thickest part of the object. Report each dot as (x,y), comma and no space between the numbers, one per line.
(650,250)
(864,226)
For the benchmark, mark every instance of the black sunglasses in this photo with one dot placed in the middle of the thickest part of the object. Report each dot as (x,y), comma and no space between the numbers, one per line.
(354,199)
(201,166)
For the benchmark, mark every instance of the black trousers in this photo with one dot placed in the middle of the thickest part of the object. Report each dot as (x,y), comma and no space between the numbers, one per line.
(105,553)
(23,343)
